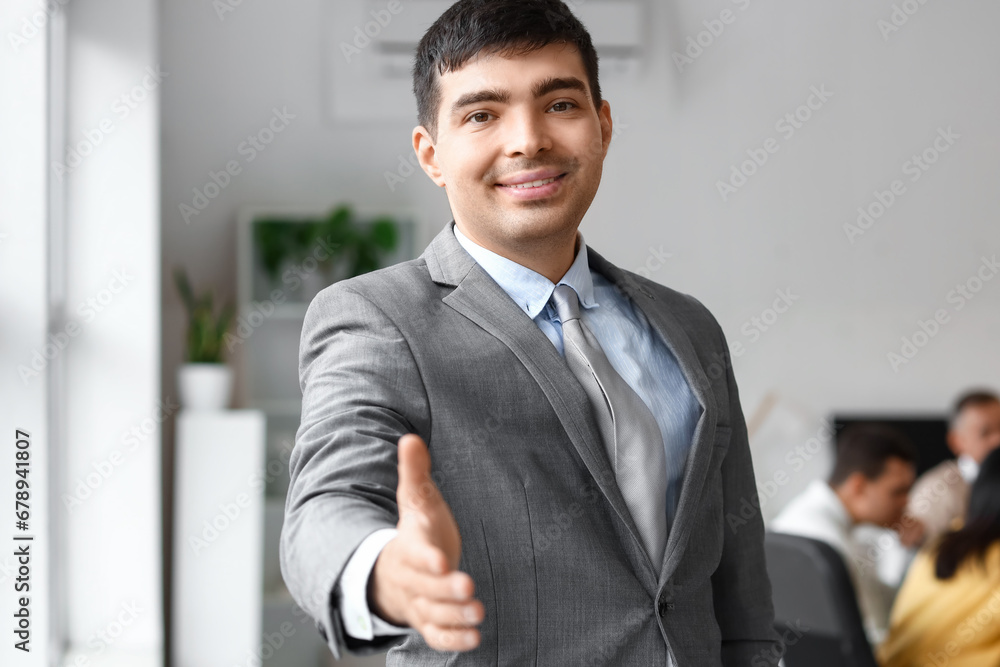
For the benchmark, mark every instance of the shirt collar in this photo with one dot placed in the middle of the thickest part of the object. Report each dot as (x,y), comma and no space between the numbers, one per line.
(529,289)
(829,498)
(968,468)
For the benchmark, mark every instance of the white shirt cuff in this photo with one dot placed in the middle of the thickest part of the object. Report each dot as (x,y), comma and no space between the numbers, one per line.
(359,622)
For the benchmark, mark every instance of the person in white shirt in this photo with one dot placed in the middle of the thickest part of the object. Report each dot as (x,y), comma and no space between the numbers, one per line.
(870,484)
(941,495)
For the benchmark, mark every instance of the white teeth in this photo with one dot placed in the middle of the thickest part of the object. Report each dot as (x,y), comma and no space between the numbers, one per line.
(533,184)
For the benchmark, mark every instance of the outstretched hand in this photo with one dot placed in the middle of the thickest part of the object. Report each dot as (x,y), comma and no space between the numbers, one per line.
(415,581)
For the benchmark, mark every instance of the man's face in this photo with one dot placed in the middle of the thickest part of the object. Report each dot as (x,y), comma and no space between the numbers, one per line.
(882,500)
(976,432)
(503,121)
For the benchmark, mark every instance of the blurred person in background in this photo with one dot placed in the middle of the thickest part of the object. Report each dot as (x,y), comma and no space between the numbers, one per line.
(941,495)
(871,479)
(948,609)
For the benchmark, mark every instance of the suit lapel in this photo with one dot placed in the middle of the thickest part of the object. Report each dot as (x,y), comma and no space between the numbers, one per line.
(674,334)
(478,297)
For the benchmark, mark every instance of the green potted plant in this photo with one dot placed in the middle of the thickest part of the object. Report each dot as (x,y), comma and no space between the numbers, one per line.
(323,250)
(204,381)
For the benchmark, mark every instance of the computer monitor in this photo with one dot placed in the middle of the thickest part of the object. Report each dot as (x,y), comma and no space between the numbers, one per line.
(926,432)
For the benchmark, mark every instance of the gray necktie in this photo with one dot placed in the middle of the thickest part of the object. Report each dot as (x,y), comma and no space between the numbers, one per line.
(631,435)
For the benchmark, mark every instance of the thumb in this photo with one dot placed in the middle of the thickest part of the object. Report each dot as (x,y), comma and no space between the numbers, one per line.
(415,490)
(423,512)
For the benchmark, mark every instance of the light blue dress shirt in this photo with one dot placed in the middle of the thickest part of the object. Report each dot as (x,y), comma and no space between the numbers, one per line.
(632,347)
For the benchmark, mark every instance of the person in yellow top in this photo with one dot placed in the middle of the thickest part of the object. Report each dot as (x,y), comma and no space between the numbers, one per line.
(948,609)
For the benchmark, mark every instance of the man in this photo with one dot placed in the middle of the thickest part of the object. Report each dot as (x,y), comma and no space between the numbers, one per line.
(874,469)
(511,450)
(941,495)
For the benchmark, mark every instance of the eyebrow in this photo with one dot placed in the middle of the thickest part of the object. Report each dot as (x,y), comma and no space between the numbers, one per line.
(502,95)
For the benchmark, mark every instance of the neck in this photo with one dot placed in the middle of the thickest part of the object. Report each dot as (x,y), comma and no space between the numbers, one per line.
(550,257)
(841,494)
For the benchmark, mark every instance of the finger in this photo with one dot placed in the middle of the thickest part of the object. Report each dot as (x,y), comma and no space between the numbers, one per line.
(449,614)
(449,639)
(453,587)
(417,552)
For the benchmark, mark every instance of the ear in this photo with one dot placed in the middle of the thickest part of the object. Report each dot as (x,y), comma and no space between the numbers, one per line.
(426,152)
(855,484)
(607,129)
(953,444)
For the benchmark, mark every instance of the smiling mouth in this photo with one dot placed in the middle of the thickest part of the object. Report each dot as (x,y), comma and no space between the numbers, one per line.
(532,184)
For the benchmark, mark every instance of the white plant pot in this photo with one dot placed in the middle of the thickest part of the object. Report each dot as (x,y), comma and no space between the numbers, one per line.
(205,386)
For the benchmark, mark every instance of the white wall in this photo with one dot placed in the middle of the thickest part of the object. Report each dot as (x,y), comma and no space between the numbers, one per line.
(112,377)
(24,304)
(679,132)
(80,352)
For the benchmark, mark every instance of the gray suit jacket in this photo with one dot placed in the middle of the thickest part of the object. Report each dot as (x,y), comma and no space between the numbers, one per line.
(435,347)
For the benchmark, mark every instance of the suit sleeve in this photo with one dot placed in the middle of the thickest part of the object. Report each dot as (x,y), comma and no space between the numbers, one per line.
(361,391)
(741,587)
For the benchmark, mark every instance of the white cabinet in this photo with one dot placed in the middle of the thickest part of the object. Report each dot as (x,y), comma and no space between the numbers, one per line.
(218,533)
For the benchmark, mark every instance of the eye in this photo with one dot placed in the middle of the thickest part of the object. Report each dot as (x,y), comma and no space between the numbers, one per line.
(571,104)
(477,114)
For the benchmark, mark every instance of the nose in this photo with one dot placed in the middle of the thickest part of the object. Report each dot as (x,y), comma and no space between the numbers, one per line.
(526,134)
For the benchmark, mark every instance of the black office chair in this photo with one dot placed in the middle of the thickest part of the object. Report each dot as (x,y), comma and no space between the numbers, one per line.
(815,608)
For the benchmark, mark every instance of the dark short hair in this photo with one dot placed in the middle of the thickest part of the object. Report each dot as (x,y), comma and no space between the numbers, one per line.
(505,27)
(972,399)
(865,448)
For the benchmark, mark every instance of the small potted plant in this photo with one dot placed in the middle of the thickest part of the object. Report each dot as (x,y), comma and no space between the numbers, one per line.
(204,381)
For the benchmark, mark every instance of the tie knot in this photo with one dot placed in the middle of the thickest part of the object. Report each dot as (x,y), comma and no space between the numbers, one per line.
(567,303)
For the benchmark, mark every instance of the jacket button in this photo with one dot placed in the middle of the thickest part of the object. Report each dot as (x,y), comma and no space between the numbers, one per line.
(662,608)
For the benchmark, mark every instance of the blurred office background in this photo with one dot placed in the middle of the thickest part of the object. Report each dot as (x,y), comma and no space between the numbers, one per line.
(821,175)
